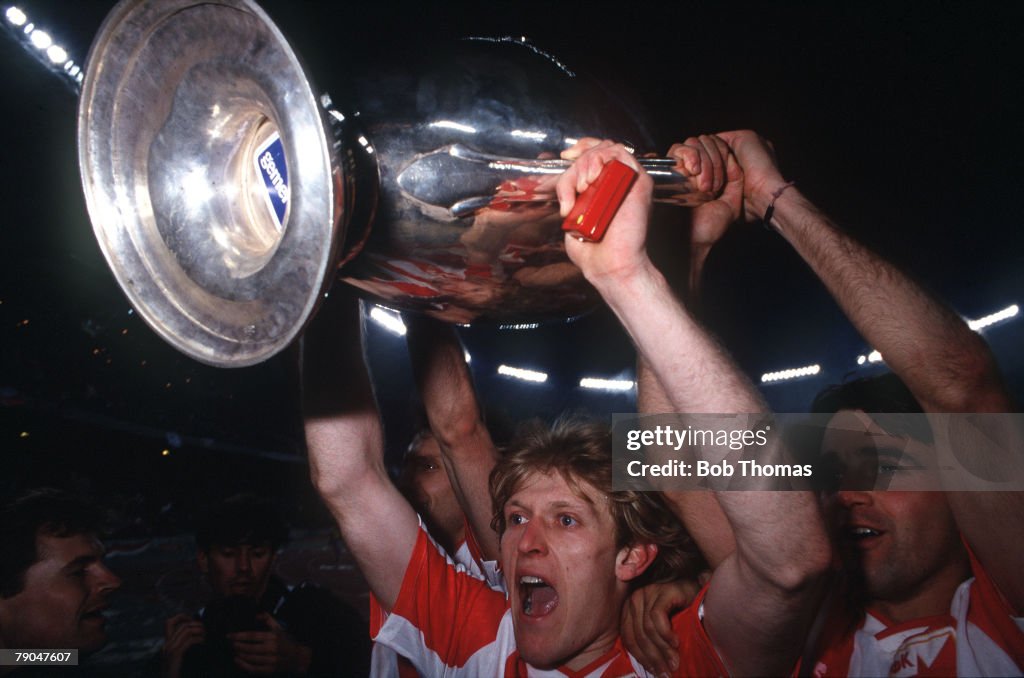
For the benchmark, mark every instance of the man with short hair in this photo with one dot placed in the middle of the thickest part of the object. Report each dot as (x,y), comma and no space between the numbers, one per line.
(237,544)
(918,600)
(427,486)
(425,483)
(640,539)
(925,613)
(461,436)
(256,623)
(567,565)
(569,550)
(932,581)
(54,586)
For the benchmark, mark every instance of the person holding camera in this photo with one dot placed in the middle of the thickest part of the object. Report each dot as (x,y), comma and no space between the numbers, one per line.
(256,624)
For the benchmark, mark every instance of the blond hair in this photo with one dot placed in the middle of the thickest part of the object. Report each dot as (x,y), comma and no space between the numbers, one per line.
(581,452)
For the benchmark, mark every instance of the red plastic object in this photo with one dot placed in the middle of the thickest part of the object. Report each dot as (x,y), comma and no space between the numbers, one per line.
(596,207)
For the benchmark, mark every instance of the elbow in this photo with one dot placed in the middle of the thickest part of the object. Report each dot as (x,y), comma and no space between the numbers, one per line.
(796,568)
(330,486)
(805,568)
(343,490)
(460,434)
(458,426)
(975,385)
(987,393)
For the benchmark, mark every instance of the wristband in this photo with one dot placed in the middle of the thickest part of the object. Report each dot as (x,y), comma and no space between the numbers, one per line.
(767,220)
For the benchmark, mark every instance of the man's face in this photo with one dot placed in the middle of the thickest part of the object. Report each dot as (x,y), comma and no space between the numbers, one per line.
(558,554)
(426,483)
(904,542)
(238,569)
(62,602)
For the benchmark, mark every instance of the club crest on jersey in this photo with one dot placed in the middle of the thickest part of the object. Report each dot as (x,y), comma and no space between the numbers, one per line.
(919,652)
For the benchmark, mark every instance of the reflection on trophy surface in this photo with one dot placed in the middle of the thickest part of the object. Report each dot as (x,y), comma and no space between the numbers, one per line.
(228,191)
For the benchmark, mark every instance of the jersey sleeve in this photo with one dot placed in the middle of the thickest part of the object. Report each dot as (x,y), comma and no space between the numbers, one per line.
(471,555)
(377,616)
(990,613)
(697,655)
(443,613)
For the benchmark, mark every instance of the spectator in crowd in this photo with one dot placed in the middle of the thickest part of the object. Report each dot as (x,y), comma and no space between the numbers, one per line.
(54,585)
(255,623)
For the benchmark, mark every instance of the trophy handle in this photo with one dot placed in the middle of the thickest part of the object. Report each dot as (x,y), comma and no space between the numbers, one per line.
(463,181)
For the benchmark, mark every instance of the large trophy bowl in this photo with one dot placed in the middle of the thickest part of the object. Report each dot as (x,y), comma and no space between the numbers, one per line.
(228,193)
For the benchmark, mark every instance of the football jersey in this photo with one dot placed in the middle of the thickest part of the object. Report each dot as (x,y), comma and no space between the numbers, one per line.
(385,662)
(978,637)
(697,655)
(450,623)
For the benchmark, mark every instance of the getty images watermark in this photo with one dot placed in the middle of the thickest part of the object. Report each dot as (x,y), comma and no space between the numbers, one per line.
(850,451)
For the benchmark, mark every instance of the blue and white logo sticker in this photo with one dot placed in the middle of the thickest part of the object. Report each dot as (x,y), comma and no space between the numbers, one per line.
(271,165)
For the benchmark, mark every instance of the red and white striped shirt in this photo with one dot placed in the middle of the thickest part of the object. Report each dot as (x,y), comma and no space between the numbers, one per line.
(451,623)
(978,637)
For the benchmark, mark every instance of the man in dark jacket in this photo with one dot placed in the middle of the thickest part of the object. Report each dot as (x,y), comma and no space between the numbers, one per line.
(257,624)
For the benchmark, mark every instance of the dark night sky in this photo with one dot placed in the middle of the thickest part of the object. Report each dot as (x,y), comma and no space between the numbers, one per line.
(901,120)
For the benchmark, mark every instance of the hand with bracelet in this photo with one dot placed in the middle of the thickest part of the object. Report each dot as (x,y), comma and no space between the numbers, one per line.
(752,185)
(763,183)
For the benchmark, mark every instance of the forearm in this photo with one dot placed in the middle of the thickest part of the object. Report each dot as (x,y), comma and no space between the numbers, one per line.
(698,510)
(698,257)
(700,378)
(377,524)
(446,388)
(444,382)
(346,452)
(342,425)
(948,367)
(696,375)
(771,546)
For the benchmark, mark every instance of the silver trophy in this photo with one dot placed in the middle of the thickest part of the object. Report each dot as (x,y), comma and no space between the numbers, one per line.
(228,192)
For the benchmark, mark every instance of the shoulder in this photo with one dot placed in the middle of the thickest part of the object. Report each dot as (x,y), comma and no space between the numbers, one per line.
(984,617)
(834,647)
(697,655)
(473,561)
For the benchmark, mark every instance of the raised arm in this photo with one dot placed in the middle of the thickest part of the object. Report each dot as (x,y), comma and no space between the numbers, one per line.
(449,398)
(699,510)
(646,621)
(947,367)
(761,598)
(346,449)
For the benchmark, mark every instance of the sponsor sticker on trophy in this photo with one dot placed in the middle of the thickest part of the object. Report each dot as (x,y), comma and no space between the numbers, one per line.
(271,166)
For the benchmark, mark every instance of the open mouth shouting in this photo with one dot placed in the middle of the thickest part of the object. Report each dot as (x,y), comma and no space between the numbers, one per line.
(538,597)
